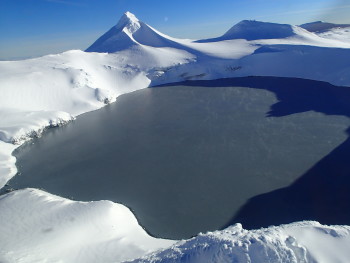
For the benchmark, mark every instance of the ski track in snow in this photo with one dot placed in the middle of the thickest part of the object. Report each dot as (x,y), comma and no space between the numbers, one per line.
(50,91)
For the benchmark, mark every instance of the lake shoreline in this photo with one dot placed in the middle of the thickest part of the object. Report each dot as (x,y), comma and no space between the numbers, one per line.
(147,98)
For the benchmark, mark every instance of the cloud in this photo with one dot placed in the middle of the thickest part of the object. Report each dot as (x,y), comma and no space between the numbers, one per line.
(166,19)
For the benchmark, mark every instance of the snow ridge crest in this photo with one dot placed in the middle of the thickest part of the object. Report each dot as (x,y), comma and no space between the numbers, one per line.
(253,30)
(128,23)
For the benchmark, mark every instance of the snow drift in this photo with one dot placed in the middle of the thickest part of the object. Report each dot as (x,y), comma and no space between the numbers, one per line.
(40,227)
(52,90)
(298,242)
(320,26)
(340,32)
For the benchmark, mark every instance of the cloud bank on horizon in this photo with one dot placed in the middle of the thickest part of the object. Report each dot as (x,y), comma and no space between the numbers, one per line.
(31,29)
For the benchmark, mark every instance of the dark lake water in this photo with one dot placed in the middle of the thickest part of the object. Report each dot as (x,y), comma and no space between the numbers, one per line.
(188,159)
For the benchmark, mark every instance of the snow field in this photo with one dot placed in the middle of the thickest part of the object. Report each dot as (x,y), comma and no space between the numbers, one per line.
(298,242)
(39,227)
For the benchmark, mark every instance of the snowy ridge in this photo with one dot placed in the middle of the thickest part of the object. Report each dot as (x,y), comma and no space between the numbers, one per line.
(341,34)
(8,167)
(128,32)
(34,123)
(83,235)
(60,230)
(320,26)
(297,242)
(253,30)
(52,90)
(121,33)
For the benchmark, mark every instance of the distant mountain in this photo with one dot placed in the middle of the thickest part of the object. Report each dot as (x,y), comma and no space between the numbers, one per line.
(128,32)
(320,26)
(255,30)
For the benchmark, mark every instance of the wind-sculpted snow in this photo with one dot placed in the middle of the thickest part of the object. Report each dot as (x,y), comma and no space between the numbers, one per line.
(253,30)
(298,242)
(321,27)
(130,32)
(118,37)
(33,123)
(7,162)
(51,90)
(39,227)
(341,34)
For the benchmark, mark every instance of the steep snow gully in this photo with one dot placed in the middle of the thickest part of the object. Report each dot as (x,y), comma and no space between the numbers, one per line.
(49,91)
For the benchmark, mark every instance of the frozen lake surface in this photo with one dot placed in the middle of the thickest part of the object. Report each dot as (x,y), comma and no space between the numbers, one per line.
(188,159)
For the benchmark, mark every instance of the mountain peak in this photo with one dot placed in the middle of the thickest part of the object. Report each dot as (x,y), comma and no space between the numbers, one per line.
(128,32)
(128,17)
(119,36)
(128,21)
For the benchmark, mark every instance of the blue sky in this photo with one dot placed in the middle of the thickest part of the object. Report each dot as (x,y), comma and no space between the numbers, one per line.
(30,28)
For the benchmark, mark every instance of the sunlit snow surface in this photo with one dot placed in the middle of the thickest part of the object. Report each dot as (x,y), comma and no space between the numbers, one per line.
(50,91)
(297,242)
(39,227)
(341,34)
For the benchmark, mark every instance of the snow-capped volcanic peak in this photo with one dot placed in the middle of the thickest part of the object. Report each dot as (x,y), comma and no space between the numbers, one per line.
(118,37)
(253,30)
(128,23)
(129,31)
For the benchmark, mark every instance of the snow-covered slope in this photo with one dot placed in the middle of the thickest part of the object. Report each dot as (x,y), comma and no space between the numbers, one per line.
(320,26)
(298,242)
(39,227)
(68,84)
(129,32)
(52,90)
(253,30)
(7,162)
(340,32)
